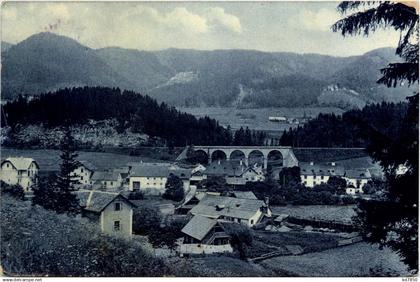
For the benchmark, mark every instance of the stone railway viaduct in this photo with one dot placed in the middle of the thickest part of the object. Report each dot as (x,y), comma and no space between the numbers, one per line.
(244,153)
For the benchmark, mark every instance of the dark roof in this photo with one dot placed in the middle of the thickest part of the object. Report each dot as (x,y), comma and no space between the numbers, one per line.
(358,174)
(215,206)
(225,168)
(198,227)
(328,154)
(105,175)
(321,169)
(97,201)
(88,165)
(244,195)
(158,170)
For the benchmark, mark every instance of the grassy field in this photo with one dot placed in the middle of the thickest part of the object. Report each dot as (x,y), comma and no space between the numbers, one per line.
(50,159)
(360,259)
(323,212)
(309,242)
(222,266)
(257,118)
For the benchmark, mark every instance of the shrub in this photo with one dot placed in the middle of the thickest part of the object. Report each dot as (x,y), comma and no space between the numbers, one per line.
(16,191)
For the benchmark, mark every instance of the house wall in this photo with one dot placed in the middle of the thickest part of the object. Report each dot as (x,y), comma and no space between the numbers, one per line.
(154,185)
(24,178)
(255,218)
(149,185)
(205,249)
(358,183)
(312,180)
(82,174)
(124,216)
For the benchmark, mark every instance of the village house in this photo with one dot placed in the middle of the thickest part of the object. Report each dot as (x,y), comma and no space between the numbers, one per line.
(83,173)
(246,211)
(19,171)
(197,175)
(234,173)
(151,178)
(312,174)
(111,210)
(204,235)
(356,179)
(106,180)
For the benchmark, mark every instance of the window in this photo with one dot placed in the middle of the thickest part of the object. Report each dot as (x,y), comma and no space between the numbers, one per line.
(117,207)
(117,226)
(81,177)
(81,170)
(111,183)
(252,221)
(136,185)
(7,165)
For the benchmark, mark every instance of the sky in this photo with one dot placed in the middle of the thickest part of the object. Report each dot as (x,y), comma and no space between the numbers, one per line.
(300,27)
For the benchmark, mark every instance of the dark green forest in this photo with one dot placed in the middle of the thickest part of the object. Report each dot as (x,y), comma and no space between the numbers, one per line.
(75,106)
(354,128)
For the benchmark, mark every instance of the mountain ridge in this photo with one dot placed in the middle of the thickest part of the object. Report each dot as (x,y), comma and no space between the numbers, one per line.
(186,77)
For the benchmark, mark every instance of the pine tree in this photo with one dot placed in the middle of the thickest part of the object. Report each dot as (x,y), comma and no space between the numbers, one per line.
(174,188)
(66,201)
(393,220)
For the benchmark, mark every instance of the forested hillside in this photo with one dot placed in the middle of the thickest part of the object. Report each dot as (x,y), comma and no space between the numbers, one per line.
(354,128)
(130,111)
(141,113)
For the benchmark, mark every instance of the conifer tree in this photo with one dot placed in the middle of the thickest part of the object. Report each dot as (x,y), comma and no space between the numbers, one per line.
(393,220)
(66,201)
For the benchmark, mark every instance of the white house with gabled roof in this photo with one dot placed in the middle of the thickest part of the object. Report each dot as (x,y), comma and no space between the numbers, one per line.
(19,171)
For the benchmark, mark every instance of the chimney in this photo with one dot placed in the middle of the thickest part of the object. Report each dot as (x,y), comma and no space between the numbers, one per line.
(218,162)
(240,162)
(267,201)
(333,163)
(311,163)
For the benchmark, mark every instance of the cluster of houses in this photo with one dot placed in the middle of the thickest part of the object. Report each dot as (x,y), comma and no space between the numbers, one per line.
(312,174)
(103,194)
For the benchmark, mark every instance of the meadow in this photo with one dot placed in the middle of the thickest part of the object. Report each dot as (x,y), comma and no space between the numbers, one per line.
(257,118)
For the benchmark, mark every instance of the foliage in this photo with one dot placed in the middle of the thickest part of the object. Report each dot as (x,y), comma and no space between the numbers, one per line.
(349,130)
(15,191)
(38,242)
(143,114)
(393,220)
(240,238)
(246,137)
(55,192)
(289,175)
(215,184)
(146,219)
(174,188)
(339,184)
(136,195)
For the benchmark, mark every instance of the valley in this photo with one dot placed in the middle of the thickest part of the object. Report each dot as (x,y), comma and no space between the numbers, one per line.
(258,118)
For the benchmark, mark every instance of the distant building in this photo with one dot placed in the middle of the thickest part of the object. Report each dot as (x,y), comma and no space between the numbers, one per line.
(106,180)
(151,178)
(356,179)
(246,211)
(277,119)
(203,235)
(235,173)
(312,174)
(83,172)
(113,211)
(20,171)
